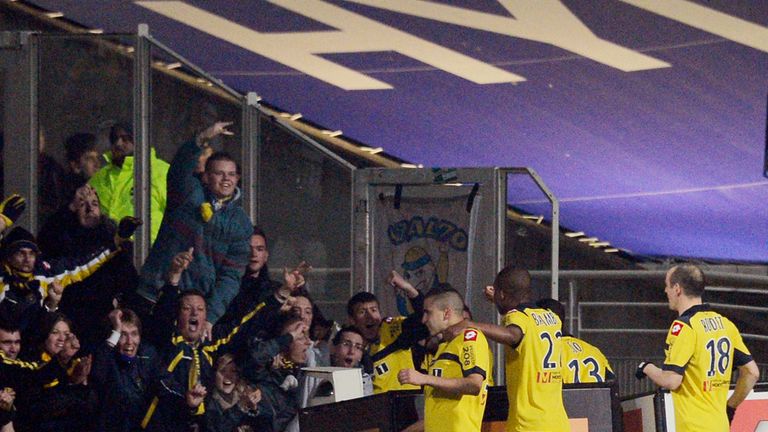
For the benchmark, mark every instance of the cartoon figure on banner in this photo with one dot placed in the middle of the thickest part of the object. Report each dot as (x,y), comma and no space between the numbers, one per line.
(420,270)
(419,267)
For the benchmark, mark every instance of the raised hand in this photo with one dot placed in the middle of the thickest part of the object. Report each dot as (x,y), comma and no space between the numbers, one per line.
(400,284)
(71,347)
(179,263)
(288,305)
(195,396)
(127,227)
(82,370)
(293,280)
(55,291)
(489,292)
(11,209)
(207,330)
(218,128)
(251,398)
(7,396)
(116,319)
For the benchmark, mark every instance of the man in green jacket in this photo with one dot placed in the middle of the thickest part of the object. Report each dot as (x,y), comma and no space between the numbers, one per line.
(114,182)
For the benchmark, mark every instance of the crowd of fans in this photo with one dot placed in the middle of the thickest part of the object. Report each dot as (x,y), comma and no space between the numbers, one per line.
(200,338)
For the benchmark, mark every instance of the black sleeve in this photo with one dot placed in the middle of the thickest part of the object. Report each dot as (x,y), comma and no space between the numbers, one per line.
(7,417)
(412,330)
(163,316)
(20,374)
(417,303)
(235,335)
(262,352)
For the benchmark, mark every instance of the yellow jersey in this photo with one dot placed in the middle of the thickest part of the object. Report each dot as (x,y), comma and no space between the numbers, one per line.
(388,359)
(466,354)
(584,362)
(703,346)
(533,369)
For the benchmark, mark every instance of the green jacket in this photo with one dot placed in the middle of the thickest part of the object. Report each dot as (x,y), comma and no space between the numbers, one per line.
(114,185)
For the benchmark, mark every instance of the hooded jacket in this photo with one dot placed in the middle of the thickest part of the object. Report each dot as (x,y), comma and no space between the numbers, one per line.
(220,244)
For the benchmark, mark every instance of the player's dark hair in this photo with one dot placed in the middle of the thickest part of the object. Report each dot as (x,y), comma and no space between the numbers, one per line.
(188,293)
(8,325)
(120,130)
(130,317)
(78,144)
(359,298)
(514,281)
(257,231)
(690,278)
(346,329)
(220,156)
(444,295)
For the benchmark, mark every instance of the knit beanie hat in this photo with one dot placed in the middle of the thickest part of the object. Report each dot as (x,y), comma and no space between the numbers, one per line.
(16,240)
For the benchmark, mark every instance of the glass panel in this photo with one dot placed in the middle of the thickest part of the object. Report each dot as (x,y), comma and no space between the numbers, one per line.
(16,76)
(425,233)
(528,233)
(85,87)
(2,130)
(183,103)
(305,211)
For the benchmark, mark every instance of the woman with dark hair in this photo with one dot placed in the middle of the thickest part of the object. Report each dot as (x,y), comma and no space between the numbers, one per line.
(233,403)
(65,403)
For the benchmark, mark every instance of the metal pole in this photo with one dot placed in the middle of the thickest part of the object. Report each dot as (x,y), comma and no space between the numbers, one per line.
(573,297)
(141,125)
(555,230)
(20,116)
(250,155)
(501,239)
(712,278)
(33,203)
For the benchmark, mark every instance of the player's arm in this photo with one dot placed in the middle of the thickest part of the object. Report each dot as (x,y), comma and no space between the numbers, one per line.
(663,378)
(748,376)
(510,335)
(469,385)
(681,342)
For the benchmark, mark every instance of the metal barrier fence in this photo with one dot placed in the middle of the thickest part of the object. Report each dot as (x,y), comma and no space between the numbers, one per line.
(58,84)
(629,386)
(626,315)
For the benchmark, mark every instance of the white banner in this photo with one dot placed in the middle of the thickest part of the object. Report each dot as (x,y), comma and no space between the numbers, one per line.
(427,240)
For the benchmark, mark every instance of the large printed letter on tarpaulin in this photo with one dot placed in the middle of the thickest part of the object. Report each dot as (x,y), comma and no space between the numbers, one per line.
(425,234)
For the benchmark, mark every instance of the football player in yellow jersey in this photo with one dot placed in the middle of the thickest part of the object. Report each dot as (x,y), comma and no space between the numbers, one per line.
(390,340)
(456,385)
(531,337)
(702,349)
(582,362)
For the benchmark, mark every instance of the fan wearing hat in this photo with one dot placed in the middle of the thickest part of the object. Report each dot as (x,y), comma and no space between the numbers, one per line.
(29,286)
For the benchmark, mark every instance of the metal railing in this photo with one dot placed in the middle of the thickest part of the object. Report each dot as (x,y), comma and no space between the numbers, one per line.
(720,283)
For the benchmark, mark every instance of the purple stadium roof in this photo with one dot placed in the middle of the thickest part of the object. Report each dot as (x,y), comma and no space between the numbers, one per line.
(646,118)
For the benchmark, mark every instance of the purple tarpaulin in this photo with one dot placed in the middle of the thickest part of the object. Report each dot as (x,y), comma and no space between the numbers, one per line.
(646,118)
